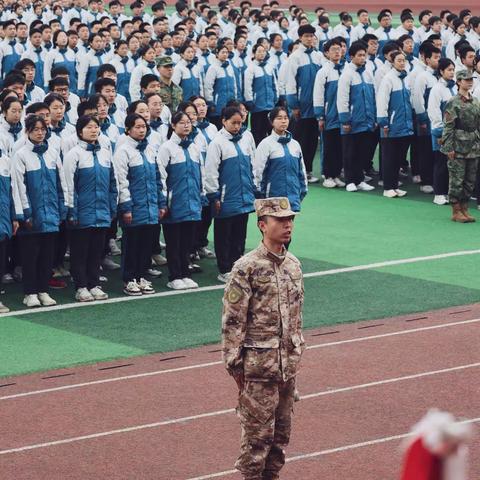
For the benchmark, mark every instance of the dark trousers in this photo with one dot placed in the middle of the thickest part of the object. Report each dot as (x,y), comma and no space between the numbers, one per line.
(61,245)
(111,234)
(13,255)
(229,234)
(306,134)
(201,229)
(440,173)
(355,150)
(136,251)
(86,249)
(3,256)
(425,157)
(179,239)
(394,152)
(332,153)
(37,252)
(372,147)
(414,160)
(261,127)
(156,249)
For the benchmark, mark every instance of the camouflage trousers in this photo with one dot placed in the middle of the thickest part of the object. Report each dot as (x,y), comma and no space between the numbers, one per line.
(265,411)
(462,173)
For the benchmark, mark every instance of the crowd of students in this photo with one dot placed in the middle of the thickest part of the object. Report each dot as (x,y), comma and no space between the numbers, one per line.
(156,122)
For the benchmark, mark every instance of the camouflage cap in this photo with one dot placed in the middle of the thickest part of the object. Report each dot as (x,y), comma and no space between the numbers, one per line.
(164,62)
(464,75)
(274,207)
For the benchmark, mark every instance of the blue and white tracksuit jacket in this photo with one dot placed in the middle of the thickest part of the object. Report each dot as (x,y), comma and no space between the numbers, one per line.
(279,169)
(220,86)
(356,99)
(261,91)
(10,54)
(440,94)
(37,56)
(240,63)
(66,58)
(9,134)
(182,173)
(384,36)
(325,94)
(303,66)
(92,192)
(394,109)
(88,66)
(139,184)
(424,82)
(124,67)
(41,187)
(188,76)
(143,68)
(9,199)
(229,174)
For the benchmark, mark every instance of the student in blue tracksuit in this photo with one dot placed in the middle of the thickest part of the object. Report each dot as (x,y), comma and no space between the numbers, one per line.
(187,73)
(357,116)
(180,163)
(40,182)
(230,189)
(395,119)
(109,129)
(92,203)
(261,92)
(325,107)
(278,165)
(141,203)
(440,94)
(89,63)
(303,65)
(58,123)
(220,85)
(124,66)
(61,56)
(10,50)
(10,124)
(208,131)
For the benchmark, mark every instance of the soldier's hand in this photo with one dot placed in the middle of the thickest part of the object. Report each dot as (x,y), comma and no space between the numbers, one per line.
(385,132)
(451,155)
(347,128)
(217,206)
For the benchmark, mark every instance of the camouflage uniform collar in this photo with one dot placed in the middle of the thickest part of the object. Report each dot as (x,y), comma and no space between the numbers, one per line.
(275,257)
(465,99)
(163,83)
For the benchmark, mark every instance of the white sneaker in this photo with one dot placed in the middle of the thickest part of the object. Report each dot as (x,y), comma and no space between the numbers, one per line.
(3,308)
(159,260)
(153,272)
(98,294)
(329,183)
(223,277)
(351,187)
(366,178)
(380,183)
(338,182)
(416,179)
(8,278)
(103,279)
(426,189)
(83,295)
(440,200)
(400,193)
(365,187)
(114,249)
(31,301)
(132,289)
(189,282)
(390,193)
(146,286)
(46,300)
(312,179)
(109,264)
(177,285)
(205,252)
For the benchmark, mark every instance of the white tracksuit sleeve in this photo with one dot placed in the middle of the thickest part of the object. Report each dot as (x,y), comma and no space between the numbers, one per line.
(18,177)
(434,108)
(212,166)
(343,98)
(383,99)
(319,94)
(248,83)
(120,162)
(210,78)
(70,165)
(260,161)
(418,97)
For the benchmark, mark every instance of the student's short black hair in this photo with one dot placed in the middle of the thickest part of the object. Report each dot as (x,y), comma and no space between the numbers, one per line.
(464,51)
(13,79)
(389,47)
(429,52)
(368,37)
(82,122)
(330,43)
(356,47)
(147,79)
(104,82)
(423,13)
(304,29)
(444,63)
(35,107)
(32,120)
(131,119)
(106,67)
(434,19)
(24,63)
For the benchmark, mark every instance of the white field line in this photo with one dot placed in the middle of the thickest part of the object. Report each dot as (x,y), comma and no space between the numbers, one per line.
(330,451)
(210,288)
(232,410)
(210,364)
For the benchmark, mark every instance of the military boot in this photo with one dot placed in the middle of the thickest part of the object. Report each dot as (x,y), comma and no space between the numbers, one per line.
(464,207)
(457,214)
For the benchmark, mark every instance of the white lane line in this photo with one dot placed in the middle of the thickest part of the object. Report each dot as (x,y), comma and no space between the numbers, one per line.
(210,364)
(232,410)
(330,451)
(210,288)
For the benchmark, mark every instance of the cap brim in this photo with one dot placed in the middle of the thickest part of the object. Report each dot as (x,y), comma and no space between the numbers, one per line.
(283,214)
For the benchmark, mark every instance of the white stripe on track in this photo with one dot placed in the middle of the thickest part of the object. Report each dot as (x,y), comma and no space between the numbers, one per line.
(210,364)
(232,410)
(330,451)
(210,288)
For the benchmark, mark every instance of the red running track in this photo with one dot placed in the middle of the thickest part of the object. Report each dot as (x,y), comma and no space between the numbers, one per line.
(361,384)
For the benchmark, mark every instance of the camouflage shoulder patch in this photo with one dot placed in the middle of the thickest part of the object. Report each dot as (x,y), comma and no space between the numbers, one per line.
(234,294)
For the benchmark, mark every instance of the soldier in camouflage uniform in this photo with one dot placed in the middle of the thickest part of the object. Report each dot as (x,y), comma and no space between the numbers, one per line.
(461,143)
(263,342)
(170,93)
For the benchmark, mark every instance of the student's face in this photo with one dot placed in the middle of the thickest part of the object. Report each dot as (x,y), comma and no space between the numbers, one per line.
(57,111)
(212,41)
(63,91)
(155,105)
(189,54)
(280,122)
(399,63)
(433,61)
(260,54)
(201,108)
(22,31)
(425,18)
(177,40)
(90,132)
(372,47)
(55,26)
(97,42)
(83,33)
(62,39)
(335,53)
(408,24)
(110,94)
(437,27)
(308,40)
(277,43)
(72,41)
(45,114)
(10,31)
(363,18)
(149,55)
(461,29)
(37,135)
(222,55)
(29,73)
(133,44)
(184,127)
(233,124)
(276,229)
(469,60)
(386,21)
(19,89)
(14,113)
(448,73)
(408,46)
(167,41)
(359,58)
(152,87)
(143,110)
(139,130)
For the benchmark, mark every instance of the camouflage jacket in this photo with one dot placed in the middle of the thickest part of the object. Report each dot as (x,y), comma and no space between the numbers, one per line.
(262,316)
(171,95)
(461,132)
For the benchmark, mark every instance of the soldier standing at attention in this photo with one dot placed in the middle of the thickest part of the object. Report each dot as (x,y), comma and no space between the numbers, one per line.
(461,143)
(263,342)
(170,93)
